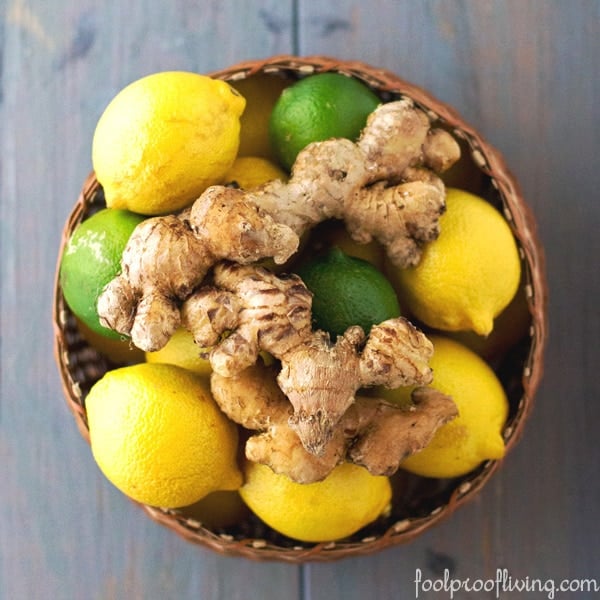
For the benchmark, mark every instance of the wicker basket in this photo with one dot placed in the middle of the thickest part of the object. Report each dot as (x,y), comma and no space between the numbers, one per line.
(423,502)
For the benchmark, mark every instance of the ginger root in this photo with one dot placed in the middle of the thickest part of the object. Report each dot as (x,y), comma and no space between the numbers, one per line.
(258,309)
(167,257)
(372,433)
(385,187)
(263,311)
(320,378)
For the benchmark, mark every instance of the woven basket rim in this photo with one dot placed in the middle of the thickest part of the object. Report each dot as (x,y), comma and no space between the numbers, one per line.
(518,214)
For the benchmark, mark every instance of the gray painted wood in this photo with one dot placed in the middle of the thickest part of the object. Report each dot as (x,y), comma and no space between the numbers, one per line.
(524,72)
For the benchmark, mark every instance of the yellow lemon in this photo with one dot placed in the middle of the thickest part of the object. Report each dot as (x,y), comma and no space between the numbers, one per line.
(347,500)
(117,351)
(464,174)
(476,434)
(510,326)
(158,435)
(260,91)
(164,139)
(181,350)
(469,274)
(372,252)
(249,172)
(218,509)
(333,233)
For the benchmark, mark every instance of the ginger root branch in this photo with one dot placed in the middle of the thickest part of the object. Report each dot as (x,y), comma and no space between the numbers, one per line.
(319,376)
(385,187)
(372,433)
(167,257)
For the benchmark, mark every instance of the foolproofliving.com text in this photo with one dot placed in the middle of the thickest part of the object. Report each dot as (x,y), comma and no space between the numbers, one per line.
(502,583)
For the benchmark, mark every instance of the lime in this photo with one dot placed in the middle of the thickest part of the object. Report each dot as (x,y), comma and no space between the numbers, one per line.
(316,108)
(335,233)
(347,291)
(91,259)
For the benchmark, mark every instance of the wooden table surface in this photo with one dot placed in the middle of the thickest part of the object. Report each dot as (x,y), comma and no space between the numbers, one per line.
(525,73)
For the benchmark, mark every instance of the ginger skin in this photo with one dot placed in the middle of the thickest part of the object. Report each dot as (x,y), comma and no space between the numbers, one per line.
(321,378)
(372,433)
(385,187)
(264,311)
(259,310)
(167,257)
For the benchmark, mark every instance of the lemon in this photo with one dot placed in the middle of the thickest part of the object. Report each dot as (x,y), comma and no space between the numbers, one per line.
(316,108)
(347,500)
(347,291)
(165,138)
(218,509)
(260,91)
(92,258)
(335,234)
(117,351)
(249,172)
(158,435)
(475,435)
(181,350)
(510,326)
(464,174)
(469,274)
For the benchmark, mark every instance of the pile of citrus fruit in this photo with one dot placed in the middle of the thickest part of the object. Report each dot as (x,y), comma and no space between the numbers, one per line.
(155,430)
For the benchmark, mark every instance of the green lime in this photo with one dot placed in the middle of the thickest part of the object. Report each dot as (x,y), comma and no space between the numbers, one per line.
(91,259)
(316,108)
(347,291)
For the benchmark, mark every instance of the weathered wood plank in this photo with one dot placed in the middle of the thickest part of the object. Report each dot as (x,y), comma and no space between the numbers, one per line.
(65,533)
(526,74)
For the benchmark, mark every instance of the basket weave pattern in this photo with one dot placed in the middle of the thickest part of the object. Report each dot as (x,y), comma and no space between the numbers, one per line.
(424,503)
